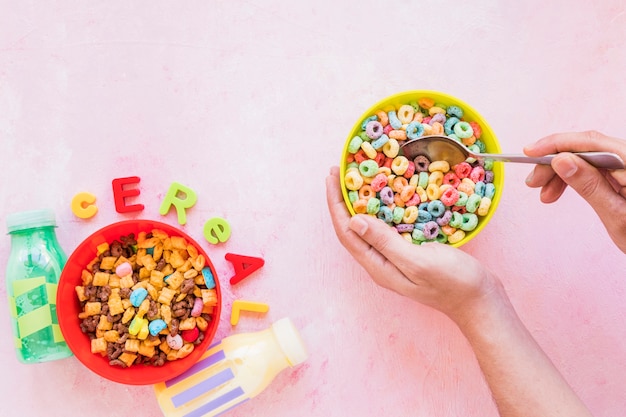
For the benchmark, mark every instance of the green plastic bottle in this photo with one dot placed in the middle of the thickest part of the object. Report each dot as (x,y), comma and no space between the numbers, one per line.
(33,272)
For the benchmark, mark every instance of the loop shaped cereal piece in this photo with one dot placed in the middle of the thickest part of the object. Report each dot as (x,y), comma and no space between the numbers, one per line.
(366,192)
(367,120)
(470,221)
(380,142)
(406,113)
(394,122)
(391,148)
(386,195)
(382,118)
(368,168)
(456,237)
(399,165)
(483,207)
(463,130)
(374,129)
(373,205)
(369,150)
(472,203)
(414,130)
(442,166)
(410,214)
(353,180)
(355,144)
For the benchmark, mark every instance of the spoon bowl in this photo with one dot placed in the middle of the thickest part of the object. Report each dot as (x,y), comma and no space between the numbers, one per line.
(444,148)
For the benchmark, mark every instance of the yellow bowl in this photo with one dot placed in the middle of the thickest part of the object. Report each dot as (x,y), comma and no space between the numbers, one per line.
(469,114)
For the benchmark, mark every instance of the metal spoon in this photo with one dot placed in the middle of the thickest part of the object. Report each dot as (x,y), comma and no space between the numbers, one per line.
(443,148)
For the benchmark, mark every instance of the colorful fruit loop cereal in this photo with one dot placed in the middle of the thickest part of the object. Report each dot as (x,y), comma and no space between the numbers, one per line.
(424,200)
(145,301)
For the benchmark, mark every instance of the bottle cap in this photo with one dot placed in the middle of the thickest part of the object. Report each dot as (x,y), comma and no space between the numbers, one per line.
(30,219)
(290,341)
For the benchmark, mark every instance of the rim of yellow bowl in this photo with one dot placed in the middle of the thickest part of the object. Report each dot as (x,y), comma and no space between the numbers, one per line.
(492,145)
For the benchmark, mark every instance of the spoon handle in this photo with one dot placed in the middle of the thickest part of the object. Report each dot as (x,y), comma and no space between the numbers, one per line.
(606,160)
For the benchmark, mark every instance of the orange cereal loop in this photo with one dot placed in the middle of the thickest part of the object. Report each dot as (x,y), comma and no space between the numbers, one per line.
(407,192)
(398,201)
(466,188)
(469,141)
(360,206)
(437,128)
(426,102)
(366,192)
(399,183)
(448,230)
(382,118)
(397,134)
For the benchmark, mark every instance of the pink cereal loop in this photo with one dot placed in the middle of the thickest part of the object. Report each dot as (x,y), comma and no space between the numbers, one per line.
(410,171)
(462,170)
(414,201)
(379,181)
(477,174)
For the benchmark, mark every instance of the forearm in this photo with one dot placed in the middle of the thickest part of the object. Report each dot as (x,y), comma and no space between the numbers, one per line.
(522,379)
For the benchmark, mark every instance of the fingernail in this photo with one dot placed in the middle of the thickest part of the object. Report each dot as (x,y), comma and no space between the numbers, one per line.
(530,176)
(358,225)
(565,166)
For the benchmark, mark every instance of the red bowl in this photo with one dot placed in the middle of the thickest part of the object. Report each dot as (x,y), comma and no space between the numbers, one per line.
(68,308)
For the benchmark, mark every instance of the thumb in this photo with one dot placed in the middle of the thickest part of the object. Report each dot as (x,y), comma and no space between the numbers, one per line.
(587,181)
(383,238)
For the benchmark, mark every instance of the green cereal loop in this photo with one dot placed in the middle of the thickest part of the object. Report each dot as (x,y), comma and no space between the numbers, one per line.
(488,164)
(353,196)
(353,164)
(418,236)
(455,137)
(481,145)
(470,221)
(373,205)
(474,148)
(463,130)
(462,199)
(456,220)
(398,214)
(355,144)
(472,203)
(422,179)
(441,237)
(364,137)
(441,106)
(368,168)
(415,106)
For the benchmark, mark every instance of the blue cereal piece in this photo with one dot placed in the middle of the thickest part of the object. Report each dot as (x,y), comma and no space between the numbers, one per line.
(393,120)
(414,130)
(156,326)
(137,296)
(455,111)
(366,121)
(209,280)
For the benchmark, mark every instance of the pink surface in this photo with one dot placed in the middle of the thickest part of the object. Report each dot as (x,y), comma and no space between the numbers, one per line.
(248,103)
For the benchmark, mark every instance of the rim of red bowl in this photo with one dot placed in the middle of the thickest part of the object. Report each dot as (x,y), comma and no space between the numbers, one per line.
(68,308)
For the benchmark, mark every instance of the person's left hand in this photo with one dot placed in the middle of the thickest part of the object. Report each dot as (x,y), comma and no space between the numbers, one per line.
(434,274)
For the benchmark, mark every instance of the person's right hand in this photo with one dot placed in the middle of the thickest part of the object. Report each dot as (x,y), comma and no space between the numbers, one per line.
(604,190)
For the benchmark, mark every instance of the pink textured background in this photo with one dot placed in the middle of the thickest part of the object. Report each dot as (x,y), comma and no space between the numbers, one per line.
(248,103)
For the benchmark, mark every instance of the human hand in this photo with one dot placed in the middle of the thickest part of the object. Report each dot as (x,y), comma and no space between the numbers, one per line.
(434,274)
(604,190)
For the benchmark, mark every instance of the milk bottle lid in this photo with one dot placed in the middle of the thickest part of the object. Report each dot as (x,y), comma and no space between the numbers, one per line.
(30,219)
(290,341)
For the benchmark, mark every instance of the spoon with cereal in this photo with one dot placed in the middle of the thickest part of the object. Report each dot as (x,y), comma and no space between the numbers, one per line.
(444,148)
